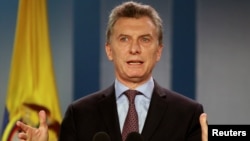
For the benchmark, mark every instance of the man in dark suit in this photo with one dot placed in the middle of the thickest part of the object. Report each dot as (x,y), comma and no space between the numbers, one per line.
(134,45)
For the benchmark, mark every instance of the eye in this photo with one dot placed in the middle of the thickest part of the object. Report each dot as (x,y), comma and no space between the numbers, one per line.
(124,39)
(145,39)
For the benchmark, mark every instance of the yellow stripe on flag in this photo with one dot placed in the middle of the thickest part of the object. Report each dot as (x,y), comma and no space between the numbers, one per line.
(32,85)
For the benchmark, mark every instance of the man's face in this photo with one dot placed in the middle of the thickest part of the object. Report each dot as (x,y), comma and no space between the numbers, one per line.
(134,49)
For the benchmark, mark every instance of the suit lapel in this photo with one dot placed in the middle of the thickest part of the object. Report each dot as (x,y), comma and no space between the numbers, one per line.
(109,113)
(157,109)
(156,112)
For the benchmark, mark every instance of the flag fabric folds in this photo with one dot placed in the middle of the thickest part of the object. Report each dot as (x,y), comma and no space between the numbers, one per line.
(32,85)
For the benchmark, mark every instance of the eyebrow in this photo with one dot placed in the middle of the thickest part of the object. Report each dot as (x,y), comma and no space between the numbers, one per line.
(139,36)
(146,35)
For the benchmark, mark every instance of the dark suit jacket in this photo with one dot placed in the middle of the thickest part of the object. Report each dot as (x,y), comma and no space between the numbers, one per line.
(171,117)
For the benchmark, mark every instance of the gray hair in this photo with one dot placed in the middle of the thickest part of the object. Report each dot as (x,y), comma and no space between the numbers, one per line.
(134,10)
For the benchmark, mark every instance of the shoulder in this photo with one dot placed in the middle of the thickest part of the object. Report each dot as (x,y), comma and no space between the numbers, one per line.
(174,98)
(94,98)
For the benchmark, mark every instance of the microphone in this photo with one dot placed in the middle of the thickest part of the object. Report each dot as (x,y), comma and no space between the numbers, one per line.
(101,136)
(134,136)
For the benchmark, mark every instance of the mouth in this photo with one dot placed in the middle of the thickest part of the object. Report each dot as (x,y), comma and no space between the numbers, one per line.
(135,62)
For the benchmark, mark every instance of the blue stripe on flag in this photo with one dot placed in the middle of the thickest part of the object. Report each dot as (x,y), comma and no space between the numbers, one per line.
(5,120)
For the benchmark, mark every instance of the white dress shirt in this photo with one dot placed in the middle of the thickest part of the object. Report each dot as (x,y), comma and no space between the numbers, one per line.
(141,101)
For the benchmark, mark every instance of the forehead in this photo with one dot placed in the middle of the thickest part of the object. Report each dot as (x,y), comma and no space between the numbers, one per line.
(134,25)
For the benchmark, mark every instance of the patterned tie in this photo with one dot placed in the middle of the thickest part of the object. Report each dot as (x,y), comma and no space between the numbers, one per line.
(131,122)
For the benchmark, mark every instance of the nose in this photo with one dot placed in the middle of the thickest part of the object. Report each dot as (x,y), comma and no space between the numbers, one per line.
(135,48)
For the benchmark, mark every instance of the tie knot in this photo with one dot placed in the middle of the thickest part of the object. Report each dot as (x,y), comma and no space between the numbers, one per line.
(131,95)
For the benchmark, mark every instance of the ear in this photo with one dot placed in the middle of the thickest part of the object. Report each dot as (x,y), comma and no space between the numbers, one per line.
(109,51)
(159,52)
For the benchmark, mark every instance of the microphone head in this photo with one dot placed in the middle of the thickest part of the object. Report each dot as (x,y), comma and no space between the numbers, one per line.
(134,136)
(101,136)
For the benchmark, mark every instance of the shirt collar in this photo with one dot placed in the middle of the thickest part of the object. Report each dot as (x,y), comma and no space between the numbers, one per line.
(146,89)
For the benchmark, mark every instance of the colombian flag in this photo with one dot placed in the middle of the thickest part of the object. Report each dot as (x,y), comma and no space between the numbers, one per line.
(32,85)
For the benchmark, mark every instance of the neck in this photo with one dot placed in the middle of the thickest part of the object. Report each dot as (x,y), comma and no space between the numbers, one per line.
(133,83)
